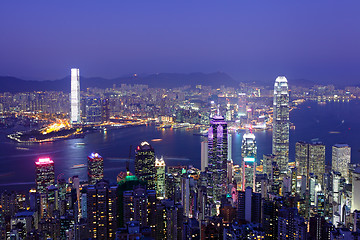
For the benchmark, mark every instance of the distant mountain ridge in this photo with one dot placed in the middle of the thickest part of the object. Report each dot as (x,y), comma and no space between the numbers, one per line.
(157,80)
(160,80)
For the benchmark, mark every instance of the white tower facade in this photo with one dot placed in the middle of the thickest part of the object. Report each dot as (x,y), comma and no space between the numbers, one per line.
(280,141)
(355,190)
(204,155)
(341,157)
(75,96)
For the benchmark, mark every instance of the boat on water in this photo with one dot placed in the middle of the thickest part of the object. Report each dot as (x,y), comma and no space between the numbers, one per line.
(78,166)
(22,148)
(156,140)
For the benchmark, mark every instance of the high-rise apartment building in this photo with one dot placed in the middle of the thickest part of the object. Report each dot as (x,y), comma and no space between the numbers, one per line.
(218,150)
(280,141)
(169,220)
(145,164)
(341,157)
(204,155)
(160,178)
(249,206)
(268,159)
(248,157)
(75,116)
(45,174)
(95,168)
(139,205)
(310,158)
(355,205)
(102,210)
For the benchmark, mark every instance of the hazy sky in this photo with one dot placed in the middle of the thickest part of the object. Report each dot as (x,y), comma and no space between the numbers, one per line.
(248,39)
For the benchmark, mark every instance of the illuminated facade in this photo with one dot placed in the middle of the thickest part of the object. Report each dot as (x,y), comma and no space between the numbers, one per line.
(45,174)
(280,141)
(217,154)
(145,164)
(268,159)
(248,156)
(75,96)
(160,178)
(93,110)
(95,168)
(310,158)
(355,205)
(341,157)
(102,210)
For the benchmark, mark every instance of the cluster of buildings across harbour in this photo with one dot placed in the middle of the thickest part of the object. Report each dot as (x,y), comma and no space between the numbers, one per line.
(266,197)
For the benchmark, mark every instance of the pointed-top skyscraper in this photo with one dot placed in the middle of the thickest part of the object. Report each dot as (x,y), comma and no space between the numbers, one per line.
(217,154)
(280,141)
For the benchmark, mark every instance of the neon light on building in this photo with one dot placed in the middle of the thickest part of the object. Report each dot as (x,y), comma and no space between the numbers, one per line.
(95,168)
(43,161)
(45,174)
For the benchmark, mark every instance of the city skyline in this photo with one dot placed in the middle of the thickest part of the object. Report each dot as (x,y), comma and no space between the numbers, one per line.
(198,139)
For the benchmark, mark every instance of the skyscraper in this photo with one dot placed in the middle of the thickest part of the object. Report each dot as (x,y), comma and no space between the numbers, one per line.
(341,157)
(317,161)
(160,178)
(75,96)
(310,158)
(268,159)
(145,164)
(218,150)
(45,174)
(102,210)
(355,205)
(95,168)
(204,155)
(93,110)
(248,156)
(280,141)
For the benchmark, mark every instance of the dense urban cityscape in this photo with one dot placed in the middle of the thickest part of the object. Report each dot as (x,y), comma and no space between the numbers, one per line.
(266,197)
(179,120)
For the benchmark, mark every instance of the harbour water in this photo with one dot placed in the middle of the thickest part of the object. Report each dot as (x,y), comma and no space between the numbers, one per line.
(331,123)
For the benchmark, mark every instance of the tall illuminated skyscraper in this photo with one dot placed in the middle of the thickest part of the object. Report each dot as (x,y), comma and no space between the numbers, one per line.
(217,154)
(75,96)
(45,174)
(341,157)
(280,141)
(95,168)
(145,164)
(248,156)
(160,178)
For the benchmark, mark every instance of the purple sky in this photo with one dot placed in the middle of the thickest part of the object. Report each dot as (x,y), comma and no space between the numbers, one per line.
(251,40)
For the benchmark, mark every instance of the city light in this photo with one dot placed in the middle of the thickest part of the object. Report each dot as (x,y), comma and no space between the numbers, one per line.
(44,161)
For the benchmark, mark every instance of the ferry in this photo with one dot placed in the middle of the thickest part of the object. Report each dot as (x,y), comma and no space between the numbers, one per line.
(156,140)
(78,166)
(22,148)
